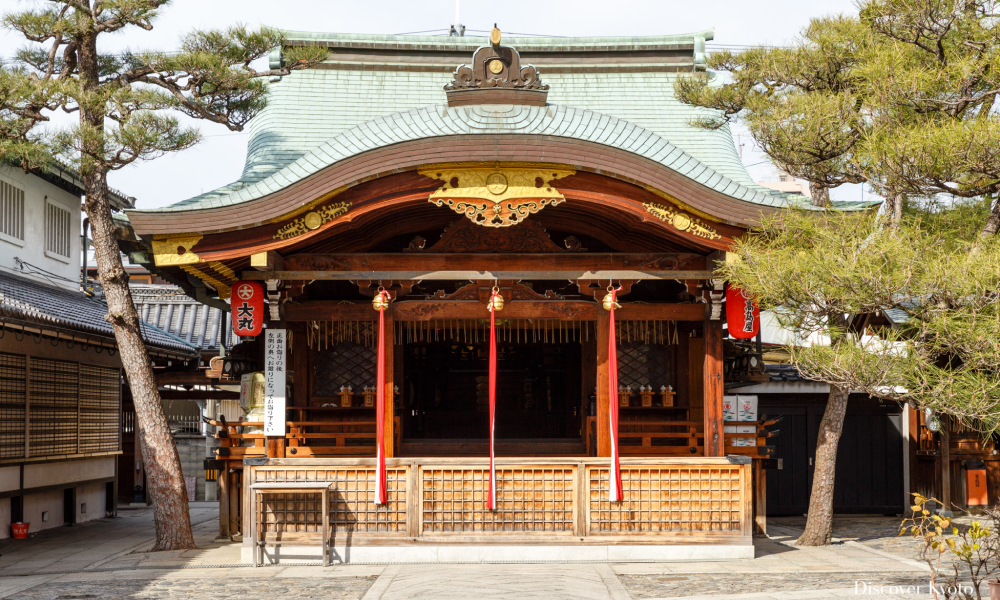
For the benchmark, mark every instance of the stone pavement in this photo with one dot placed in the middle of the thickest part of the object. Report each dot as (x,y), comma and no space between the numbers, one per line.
(108,559)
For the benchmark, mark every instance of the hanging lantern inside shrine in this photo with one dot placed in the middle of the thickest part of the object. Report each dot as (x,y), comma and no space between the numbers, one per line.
(496,301)
(381,300)
(609,301)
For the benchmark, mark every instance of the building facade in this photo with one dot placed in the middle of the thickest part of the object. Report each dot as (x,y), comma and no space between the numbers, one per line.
(443,171)
(60,375)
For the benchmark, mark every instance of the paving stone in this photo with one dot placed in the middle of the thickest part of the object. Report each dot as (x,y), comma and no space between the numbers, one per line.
(345,588)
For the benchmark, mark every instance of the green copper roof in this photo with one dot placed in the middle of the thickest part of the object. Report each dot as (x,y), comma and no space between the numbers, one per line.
(377,90)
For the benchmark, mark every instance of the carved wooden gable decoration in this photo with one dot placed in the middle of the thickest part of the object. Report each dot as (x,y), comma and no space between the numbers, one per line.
(463,236)
(496,77)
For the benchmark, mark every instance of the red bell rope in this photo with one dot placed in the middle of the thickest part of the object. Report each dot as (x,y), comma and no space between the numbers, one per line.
(616,473)
(491,501)
(380,479)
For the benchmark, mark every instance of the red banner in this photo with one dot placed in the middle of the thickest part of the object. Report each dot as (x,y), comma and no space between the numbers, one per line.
(616,473)
(247,304)
(742,314)
(381,497)
(491,500)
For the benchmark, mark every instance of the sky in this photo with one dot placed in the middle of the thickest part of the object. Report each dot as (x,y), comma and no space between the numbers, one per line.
(218,159)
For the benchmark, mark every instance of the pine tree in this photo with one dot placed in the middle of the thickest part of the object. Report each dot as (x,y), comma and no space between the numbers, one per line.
(125,108)
(900,97)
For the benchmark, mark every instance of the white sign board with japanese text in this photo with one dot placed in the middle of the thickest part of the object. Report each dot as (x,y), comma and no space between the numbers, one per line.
(274,382)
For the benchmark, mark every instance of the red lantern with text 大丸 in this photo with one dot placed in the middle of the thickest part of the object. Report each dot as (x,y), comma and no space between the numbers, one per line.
(247,303)
(742,314)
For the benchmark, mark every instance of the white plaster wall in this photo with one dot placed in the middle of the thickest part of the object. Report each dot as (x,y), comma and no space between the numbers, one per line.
(10,478)
(35,504)
(94,496)
(46,474)
(32,249)
(4,518)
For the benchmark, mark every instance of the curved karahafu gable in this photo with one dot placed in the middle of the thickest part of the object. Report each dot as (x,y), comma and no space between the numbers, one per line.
(583,139)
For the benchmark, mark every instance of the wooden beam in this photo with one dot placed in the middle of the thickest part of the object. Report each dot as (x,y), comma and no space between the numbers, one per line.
(603,424)
(469,275)
(429,310)
(199,377)
(300,369)
(713,389)
(538,261)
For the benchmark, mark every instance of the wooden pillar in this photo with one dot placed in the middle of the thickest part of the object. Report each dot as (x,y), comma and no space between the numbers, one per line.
(760,497)
(602,326)
(390,433)
(300,367)
(223,479)
(714,389)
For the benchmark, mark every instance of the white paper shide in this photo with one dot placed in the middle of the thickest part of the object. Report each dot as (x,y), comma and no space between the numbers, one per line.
(274,382)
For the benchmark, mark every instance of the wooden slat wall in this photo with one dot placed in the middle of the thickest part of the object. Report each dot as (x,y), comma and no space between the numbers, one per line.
(694,500)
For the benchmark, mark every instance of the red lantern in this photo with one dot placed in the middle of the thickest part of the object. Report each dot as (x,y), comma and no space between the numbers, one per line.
(247,304)
(742,314)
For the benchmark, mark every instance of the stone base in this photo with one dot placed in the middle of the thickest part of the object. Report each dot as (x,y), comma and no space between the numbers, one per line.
(462,553)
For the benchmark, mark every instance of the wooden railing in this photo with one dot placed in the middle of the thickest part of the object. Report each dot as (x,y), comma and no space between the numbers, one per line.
(440,500)
(681,438)
(334,438)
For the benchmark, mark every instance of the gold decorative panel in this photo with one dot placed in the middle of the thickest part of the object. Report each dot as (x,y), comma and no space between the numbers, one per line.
(529,500)
(682,221)
(313,219)
(496,197)
(668,499)
(175,251)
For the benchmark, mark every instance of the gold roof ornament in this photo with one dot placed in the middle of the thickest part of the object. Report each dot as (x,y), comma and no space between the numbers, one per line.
(495,196)
(495,35)
(682,221)
(313,220)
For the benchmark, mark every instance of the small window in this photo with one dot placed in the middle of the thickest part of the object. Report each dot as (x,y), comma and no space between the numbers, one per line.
(11,211)
(57,230)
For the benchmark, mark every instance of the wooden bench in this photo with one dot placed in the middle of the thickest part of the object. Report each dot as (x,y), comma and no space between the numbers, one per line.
(258,531)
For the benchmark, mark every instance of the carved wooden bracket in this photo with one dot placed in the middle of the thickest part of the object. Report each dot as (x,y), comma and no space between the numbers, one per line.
(396,288)
(597,289)
(480,291)
(463,236)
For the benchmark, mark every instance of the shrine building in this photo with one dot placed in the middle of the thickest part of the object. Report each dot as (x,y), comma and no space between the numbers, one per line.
(445,170)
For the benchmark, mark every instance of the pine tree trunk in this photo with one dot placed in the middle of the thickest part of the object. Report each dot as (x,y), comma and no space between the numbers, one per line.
(819,523)
(820,194)
(162,462)
(894,208)
(992,222)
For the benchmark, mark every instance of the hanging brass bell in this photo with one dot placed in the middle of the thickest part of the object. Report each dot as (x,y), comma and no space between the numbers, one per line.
(609,301)
(496,301)
(381,300)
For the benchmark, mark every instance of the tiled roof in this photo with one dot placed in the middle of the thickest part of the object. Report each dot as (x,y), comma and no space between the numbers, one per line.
(784,373)
(167,307)
(438,121)
(363,97)
(21,298)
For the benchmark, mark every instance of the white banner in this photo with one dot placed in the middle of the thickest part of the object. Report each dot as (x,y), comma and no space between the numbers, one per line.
(740,408)
(274,382)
